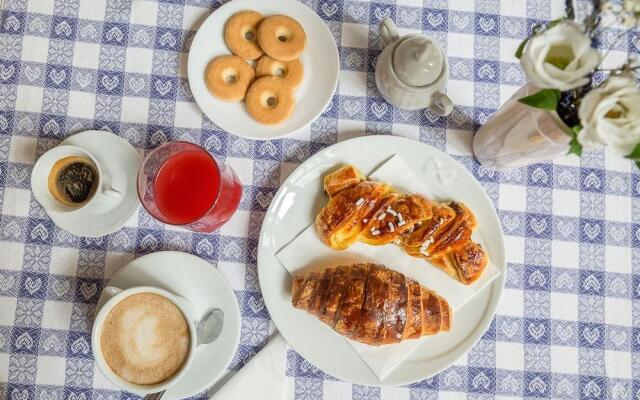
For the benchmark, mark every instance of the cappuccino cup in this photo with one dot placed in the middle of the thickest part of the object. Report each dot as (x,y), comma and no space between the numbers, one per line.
(144,338)
(68,178)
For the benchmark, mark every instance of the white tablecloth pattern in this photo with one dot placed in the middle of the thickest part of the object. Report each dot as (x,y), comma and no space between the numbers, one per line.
(565,325)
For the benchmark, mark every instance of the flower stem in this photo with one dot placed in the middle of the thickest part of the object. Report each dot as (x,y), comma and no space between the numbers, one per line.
(630,68)
(570,9)
(593,20)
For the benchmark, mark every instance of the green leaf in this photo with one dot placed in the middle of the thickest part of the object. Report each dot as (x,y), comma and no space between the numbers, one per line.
(638,164)
(635,154)
(520,50)
(546,99)
(574,146)
(554,22)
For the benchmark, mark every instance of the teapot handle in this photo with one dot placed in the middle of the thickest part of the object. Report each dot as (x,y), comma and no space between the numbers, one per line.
(388,31)
(441,104)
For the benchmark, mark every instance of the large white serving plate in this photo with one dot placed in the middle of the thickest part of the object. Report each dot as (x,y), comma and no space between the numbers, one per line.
(294,207)
(320,60)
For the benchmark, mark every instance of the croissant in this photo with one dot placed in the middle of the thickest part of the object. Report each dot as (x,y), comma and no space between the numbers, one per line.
(374,213)
(371,304)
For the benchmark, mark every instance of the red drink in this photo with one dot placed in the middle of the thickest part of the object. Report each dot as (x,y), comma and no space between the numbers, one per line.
(180,183)
(187,186)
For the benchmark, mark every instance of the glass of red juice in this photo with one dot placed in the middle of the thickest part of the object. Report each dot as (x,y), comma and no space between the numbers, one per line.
(180,183)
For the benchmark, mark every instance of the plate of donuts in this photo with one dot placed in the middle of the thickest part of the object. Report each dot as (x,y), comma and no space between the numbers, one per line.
(263,70)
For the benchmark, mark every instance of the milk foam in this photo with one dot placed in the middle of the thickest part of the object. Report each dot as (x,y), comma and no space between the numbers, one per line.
(145,339)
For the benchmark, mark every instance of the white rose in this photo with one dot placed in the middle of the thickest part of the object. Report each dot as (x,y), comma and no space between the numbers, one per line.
(632,6)
(610,115)
(560,58)
(631,16)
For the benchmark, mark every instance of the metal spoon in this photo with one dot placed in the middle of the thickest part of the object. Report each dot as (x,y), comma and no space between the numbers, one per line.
(207,330)
(210,326)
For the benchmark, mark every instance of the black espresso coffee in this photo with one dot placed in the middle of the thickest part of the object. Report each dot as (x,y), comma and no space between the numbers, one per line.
(73,180)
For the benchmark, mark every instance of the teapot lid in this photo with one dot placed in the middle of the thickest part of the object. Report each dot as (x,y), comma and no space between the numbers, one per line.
(418,61)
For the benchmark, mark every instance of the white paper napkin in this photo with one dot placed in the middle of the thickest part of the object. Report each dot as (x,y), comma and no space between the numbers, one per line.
(383,359)
(261,378)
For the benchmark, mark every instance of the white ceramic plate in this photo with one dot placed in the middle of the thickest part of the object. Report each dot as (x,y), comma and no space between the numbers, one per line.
(204,286)
(121,160)
(320,60)
(294,207)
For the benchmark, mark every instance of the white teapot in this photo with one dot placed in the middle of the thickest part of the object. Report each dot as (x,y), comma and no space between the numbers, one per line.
(412,71)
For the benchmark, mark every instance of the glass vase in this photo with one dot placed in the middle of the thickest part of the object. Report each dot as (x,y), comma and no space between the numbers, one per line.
(519,135)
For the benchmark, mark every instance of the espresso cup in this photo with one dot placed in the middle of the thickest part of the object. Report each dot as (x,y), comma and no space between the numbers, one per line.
(43,169)
(116,296)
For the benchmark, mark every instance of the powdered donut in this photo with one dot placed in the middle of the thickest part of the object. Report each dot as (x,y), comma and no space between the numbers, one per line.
(282,37)
(270,100)
(241,32)
(290,71)
(228,77)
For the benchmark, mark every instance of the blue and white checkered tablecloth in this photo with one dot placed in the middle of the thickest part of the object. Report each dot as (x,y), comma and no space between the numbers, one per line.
(568,325)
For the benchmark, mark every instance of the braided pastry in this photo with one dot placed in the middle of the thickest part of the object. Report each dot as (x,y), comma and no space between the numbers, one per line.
(374,213)
(371,304)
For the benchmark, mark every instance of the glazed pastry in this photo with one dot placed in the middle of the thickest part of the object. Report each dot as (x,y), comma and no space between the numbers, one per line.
(282,37)
(374,213)
(270,100)
(241,34)
(290,71)
(371,304)
(229,77)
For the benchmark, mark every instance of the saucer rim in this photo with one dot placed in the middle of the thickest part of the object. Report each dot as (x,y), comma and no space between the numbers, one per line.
(214,271)
(57,217)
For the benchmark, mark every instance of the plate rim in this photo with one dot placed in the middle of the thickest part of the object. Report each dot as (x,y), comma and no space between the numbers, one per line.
(496,287)
(282,4)
(216,272)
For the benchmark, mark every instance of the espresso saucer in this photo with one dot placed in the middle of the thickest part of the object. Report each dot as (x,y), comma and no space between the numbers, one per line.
(205,287)
(120,161)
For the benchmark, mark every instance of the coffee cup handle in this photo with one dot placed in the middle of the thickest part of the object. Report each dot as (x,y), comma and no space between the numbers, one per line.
(111,291)
(111,191)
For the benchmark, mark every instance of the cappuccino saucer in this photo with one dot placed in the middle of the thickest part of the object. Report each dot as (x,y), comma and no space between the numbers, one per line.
(121,161)
(204,287)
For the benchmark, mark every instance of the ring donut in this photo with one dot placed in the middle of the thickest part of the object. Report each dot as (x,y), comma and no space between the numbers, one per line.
(270,100)
(241,32)
(282,37)
(290,71)
(229,77)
